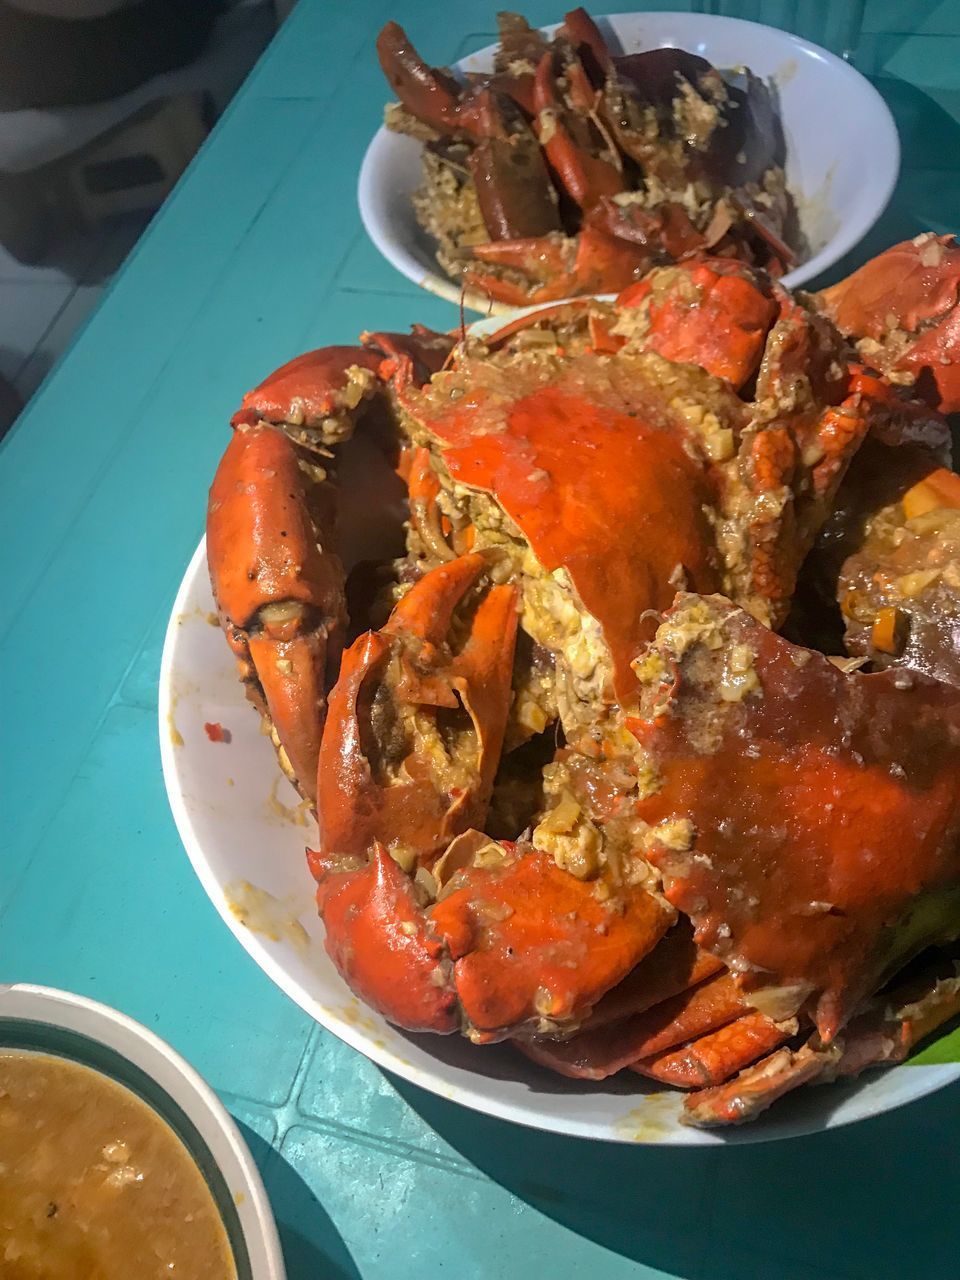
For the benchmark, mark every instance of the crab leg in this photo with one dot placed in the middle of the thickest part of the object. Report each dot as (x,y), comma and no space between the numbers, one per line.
(427,93)
(676,964)
(774,458)
(412,357)
(586,172)
(720,1054)
(879,1036)
(546,315)
(423,489)
(597,1053)
(589,262)
(757,1088)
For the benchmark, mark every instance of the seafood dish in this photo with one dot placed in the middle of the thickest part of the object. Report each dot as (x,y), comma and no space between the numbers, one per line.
(643,751)
(573,168)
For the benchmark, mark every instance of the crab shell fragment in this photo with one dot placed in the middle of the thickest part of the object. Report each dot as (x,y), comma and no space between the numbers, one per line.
(714,853)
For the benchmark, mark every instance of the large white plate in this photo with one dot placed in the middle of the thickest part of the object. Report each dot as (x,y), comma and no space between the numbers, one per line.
(843,153)
(245,831)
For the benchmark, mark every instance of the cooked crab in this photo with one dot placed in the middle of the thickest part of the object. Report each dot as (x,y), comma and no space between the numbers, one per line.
(572,169)
(712,844)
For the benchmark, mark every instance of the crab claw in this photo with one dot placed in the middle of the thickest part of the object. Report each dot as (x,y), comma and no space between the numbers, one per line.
(601,1051)
(585,170)
(315,396)
(414,729)
(904,304)
(426,92)
(591,262)
(534,947)
(715,316)
(279,593)
(313,389)
(584,34)
(811,817)
(423,489)
(382,943)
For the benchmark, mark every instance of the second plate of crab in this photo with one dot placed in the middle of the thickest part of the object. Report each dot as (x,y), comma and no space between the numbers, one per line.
(571,160)
(628,704)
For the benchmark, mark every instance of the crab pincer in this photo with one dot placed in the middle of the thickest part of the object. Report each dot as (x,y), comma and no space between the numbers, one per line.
(410,748)
(382,943)
(534,948)
(396,784)
(414,728)
(272,550)
(555,266)
(584,34)
(431,95)
(278,589)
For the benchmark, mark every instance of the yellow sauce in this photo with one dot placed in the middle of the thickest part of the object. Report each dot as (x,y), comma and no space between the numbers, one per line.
(94,1185)
(261,912)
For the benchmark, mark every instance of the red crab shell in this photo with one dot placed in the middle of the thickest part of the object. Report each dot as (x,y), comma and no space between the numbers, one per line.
(598,481)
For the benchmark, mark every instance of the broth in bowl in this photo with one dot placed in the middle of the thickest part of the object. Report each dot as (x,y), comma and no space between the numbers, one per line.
(93,1182)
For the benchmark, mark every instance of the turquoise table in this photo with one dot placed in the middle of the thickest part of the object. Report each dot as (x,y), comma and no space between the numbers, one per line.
(258,254)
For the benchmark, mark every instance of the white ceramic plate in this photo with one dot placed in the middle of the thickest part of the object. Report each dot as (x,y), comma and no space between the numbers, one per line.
(832,119)
(71,1026)
(245,831)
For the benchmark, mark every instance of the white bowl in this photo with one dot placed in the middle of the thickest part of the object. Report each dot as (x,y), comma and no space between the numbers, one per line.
(245,831)
(843,153)
(71,1026)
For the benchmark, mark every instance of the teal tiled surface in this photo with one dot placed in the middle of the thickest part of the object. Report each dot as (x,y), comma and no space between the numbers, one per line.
(258,254)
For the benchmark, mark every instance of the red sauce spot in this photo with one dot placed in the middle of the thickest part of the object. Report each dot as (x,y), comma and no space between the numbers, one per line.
(216,732)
